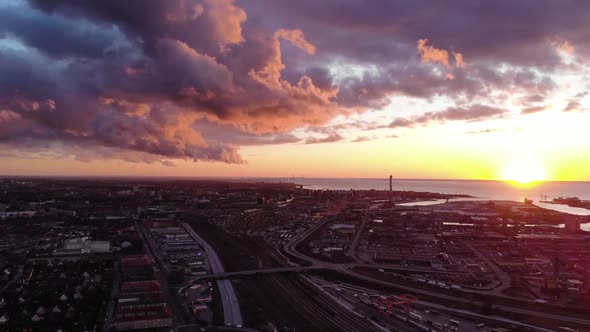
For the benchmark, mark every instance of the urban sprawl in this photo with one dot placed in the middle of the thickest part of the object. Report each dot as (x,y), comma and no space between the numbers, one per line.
(188,255)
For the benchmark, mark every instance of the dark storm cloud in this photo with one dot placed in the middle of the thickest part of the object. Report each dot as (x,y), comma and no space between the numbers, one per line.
(141,90)
(205,25)
(57,36)
(196,54)
(193,79)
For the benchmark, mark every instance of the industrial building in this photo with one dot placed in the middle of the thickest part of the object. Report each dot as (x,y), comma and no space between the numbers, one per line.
(83,245)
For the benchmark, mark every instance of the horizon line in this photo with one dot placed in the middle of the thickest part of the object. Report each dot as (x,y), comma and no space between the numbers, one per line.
(215,177)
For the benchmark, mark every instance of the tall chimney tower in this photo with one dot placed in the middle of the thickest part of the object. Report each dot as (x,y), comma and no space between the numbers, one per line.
(391,183)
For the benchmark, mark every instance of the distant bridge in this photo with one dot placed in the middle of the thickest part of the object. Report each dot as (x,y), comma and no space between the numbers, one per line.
(303,269)
(229,275)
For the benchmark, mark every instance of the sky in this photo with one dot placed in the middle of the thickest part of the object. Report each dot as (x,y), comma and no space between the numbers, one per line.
(280,88)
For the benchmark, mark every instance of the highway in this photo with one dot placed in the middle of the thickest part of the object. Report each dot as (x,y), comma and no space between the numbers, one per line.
(231,307)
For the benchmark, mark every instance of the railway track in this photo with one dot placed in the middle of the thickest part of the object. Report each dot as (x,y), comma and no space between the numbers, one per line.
(380,317)
(326,314)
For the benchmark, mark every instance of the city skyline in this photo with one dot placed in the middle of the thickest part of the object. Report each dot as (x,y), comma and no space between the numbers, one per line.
(281,89)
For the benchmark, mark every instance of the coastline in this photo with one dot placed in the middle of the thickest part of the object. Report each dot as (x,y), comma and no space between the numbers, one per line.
(581,205)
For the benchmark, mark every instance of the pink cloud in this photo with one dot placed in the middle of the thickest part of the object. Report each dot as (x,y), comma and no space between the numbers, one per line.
(459,59)
(431,54)
(296,38)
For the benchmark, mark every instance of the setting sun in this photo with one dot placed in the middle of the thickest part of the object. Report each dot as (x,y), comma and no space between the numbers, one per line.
(524,171)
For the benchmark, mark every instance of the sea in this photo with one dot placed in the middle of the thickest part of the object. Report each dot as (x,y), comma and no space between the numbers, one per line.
(479,189)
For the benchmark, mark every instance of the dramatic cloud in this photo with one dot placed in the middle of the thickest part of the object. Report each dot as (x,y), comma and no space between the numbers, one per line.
(155,68)
(197,79)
